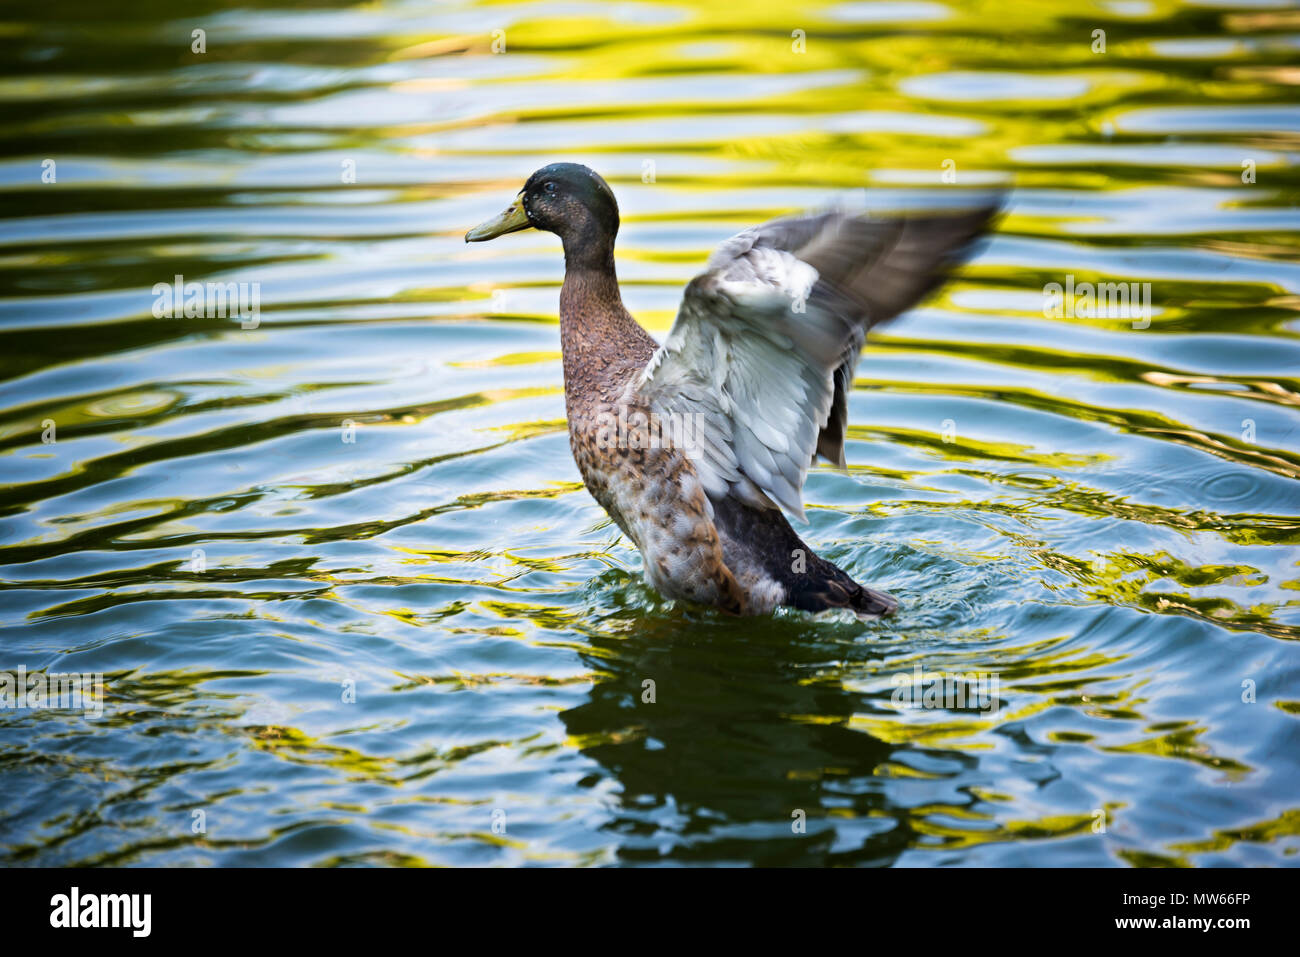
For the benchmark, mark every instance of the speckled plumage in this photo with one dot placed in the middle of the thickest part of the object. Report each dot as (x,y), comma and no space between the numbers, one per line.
(652,494)
(762,355)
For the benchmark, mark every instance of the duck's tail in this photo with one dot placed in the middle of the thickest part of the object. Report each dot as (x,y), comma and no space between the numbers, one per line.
(830,587)
(762,541)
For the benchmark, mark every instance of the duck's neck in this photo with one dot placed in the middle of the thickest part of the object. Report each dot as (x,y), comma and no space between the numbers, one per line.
(602,344)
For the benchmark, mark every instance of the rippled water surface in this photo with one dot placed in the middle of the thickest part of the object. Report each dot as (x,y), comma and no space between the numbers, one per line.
(372,489)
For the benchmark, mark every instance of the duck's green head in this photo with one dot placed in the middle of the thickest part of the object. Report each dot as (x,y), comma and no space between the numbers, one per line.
(567,199)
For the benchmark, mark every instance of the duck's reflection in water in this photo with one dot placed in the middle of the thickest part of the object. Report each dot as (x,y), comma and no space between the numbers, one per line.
(730,743)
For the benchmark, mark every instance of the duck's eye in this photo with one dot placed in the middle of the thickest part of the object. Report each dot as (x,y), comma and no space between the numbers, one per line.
(550,187)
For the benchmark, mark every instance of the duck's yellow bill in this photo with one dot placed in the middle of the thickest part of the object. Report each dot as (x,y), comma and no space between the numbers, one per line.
(512,220)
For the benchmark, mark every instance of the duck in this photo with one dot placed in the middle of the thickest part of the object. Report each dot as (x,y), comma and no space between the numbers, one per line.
(698,448)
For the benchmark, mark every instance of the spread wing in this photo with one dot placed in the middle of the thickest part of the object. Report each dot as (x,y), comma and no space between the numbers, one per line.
(767,339)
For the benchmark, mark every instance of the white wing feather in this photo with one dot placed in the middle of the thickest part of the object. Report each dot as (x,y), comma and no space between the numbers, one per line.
(767,339)
(747,354)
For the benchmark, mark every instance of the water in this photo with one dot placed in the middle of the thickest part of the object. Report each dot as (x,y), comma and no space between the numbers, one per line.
(1103,518)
